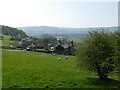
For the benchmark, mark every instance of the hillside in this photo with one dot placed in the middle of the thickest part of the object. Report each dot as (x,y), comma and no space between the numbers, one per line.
(26,69)
(7,33)
(39,30)
(6,30)
(6,41)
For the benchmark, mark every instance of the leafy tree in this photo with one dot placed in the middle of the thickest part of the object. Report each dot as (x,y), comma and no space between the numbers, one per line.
(49,41)
(96,53)
(35,41)
(116,57)
(25,44)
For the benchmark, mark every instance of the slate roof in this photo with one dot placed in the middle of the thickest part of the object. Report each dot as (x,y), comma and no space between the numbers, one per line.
(64,46)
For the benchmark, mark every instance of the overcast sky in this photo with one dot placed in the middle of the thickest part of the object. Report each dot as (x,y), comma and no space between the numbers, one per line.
(60,13)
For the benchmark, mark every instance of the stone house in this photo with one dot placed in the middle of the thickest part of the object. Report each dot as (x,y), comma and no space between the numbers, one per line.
(66,49)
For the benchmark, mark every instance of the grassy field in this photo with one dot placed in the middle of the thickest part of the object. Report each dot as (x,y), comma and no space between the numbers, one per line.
(26,69)
(6,41)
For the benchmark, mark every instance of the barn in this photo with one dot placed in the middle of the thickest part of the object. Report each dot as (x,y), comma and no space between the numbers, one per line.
(63,49)
(59,49)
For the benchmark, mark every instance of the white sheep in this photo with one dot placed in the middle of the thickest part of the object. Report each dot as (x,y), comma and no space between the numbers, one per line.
(59,59)
(66,57)
(54,54)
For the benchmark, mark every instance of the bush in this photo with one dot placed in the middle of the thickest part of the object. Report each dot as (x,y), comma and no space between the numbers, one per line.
(98,53)
(15,38)
(116,36)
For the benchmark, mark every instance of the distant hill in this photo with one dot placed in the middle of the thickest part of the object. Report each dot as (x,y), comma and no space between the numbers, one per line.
(39,30)
(6,30)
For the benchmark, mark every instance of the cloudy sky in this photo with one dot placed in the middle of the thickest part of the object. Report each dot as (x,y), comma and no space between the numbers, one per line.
(60,13)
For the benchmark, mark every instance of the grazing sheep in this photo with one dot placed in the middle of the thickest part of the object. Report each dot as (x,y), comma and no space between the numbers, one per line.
(54,54)
(59,59)
(46,86)
(66,57)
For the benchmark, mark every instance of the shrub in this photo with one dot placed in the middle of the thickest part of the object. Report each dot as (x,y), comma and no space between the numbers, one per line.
(98,53)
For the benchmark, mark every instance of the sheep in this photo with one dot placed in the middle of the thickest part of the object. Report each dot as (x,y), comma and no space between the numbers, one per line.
(66,57)
(46,86)
(54,54)
(59,59)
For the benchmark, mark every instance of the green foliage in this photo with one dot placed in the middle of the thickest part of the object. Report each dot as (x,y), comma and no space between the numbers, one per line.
(15,38)
(116,36)
(25,44)
(13,32)
(97,53)
(49,41)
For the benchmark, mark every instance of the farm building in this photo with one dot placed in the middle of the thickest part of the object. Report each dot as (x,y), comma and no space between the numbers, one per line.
(65,49)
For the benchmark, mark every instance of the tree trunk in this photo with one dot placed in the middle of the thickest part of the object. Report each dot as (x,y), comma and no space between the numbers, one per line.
(102,76)
(101,73)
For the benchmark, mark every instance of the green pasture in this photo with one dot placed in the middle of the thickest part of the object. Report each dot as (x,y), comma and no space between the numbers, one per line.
(27,69)
(6,41)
